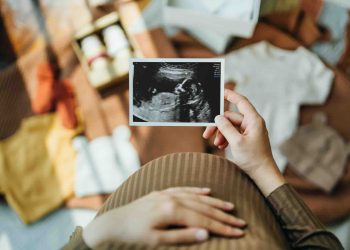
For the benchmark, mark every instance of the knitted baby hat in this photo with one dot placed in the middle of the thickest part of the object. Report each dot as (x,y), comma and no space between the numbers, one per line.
(317,152)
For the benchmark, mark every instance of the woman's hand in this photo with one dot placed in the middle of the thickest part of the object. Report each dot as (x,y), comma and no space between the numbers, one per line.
(246,134)
(147,220)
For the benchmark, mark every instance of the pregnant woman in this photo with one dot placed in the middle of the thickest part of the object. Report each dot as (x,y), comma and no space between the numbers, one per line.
(201,201)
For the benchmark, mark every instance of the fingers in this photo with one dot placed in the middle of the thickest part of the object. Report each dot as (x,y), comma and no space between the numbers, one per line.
(219,139)
(182,236)
(227,129)
(187,217)
(208,200)
(223,146)
(242,103)
(209,132)
(235,117)
(213,213)
(191,194)
(205,205)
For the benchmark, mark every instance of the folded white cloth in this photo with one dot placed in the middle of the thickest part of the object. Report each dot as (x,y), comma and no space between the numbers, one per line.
(104,163)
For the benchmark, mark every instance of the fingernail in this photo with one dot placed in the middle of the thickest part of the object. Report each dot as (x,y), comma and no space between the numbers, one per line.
(206,189)
(216,141)
(229,205)
(219,119)
(237,232)
(202,235)
(242,222)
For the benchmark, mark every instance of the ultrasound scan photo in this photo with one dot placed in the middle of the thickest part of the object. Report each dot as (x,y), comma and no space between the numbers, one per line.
(175,92)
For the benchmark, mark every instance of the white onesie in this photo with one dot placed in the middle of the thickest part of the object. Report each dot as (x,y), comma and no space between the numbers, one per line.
(277,82)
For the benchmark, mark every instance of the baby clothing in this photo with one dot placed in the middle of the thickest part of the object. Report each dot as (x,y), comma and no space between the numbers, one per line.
(37,166)
(104,163)
(318,153)
(277,82)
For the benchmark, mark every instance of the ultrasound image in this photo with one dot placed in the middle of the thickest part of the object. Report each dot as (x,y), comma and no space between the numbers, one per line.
(176,91)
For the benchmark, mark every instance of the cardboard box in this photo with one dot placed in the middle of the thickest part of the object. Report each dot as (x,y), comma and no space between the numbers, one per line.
(175,14)
(114,73)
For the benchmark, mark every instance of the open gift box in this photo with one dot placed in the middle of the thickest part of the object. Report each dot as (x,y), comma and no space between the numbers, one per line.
(103,49)
(220,16)
(214,23)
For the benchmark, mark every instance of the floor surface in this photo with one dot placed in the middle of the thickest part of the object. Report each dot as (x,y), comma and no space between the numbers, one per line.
(49,233)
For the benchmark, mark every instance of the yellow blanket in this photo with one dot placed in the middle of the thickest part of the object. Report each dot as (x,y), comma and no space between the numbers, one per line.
(37,166)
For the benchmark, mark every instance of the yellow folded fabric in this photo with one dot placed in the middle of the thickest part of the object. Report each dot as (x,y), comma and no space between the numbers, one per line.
(37,166)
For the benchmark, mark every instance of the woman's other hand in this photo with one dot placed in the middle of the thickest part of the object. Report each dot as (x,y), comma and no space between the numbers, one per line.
(147,220)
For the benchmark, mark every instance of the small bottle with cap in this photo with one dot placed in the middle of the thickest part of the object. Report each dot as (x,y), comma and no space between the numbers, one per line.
(97,59)
(118,47)
(94,51)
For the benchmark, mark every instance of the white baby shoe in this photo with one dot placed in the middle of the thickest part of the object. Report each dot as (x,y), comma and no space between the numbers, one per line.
(127,155)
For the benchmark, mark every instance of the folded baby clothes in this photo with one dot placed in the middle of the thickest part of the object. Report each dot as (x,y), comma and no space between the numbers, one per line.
(277,82)
(37,166)
(318,153)
(104,163)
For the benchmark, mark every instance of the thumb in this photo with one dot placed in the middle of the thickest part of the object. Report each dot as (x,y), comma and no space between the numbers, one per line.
(227,129)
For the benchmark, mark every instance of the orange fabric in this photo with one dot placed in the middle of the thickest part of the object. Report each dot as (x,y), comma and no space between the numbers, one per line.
(44,97)
(52,92)
(65,105)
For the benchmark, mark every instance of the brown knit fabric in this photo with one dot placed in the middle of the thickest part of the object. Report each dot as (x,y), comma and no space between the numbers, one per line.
(76,241)
(227,182)
(303,229)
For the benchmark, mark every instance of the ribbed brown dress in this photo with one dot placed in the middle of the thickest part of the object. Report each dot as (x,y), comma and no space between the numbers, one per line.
(280,222)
